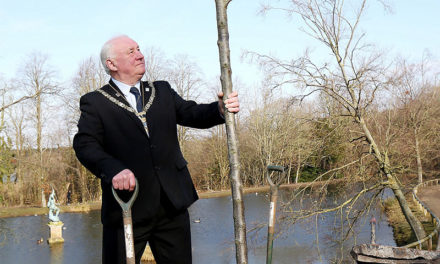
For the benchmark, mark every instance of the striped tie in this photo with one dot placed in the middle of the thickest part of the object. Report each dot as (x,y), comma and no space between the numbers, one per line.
(137,95)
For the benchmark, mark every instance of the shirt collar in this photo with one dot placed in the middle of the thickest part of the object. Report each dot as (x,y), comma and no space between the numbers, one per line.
(125,88)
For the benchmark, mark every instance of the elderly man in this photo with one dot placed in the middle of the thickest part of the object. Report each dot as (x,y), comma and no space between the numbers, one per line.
(128,129)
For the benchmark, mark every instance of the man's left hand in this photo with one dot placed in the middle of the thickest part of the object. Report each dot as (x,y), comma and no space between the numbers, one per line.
(232,104)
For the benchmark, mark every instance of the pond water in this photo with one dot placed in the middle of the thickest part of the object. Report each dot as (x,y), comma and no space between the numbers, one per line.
(212,237)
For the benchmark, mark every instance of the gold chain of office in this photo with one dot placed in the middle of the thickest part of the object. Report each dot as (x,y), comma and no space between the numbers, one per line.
(141,115)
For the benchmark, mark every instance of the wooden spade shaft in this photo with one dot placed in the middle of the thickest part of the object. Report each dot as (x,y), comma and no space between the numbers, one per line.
(273,208)
(128,224)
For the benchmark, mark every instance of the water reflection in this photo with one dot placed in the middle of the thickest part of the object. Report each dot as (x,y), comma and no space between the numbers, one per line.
(212,236)
(56,253)
(21,235)
(313,240)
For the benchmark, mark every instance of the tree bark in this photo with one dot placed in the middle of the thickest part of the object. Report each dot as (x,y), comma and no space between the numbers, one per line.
(419,159)
(415,224)
(298,169)
(38,130)
(234,172)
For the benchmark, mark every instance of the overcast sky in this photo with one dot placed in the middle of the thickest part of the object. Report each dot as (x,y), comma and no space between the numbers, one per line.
(70,31)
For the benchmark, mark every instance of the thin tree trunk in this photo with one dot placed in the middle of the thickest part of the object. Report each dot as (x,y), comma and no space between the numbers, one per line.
(298,168)
(234,172)
(419,160)
(39,147)
(288,172)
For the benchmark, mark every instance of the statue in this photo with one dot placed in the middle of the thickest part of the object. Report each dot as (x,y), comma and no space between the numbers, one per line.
(54,211)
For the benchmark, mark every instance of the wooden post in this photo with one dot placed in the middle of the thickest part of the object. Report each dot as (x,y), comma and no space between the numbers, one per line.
(373,230)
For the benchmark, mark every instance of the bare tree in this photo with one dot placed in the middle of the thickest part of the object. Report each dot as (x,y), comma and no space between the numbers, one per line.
(352,78)
(13,94)
(185,77)
(155,64)
(17,119)
(416,100)
(38,79)
(219,160)
(89,77)
(282,131)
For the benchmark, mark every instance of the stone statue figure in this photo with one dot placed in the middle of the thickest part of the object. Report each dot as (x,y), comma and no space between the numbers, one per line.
(54,211)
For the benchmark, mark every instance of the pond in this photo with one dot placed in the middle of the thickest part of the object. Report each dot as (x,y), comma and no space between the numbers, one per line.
(212,236)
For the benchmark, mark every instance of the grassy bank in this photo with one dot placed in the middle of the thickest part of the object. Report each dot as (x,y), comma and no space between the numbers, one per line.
(402,232)
(33,210)
(96,205)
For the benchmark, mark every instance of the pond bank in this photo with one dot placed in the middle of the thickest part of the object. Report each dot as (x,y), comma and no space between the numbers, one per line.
(96,205)
(34,210)
(402,232)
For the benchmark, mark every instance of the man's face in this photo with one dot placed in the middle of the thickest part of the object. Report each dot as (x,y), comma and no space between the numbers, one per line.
(128,58)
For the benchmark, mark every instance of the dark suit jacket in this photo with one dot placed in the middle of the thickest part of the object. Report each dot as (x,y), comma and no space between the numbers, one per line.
(111,139)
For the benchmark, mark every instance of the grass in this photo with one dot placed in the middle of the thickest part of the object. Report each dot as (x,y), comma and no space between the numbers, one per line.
(402,232)
(33,210)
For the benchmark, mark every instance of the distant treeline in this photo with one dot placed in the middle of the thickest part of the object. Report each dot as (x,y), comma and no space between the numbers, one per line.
(313,137)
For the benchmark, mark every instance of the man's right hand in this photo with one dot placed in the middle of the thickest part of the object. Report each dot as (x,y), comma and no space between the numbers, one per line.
(124,180)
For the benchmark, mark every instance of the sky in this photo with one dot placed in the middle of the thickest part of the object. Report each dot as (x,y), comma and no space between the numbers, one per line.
(70,31)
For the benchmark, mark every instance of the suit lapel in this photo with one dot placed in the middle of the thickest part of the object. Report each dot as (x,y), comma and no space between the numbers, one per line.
(146,93)
(113,91)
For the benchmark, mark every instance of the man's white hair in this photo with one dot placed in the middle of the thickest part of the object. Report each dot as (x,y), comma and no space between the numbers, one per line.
(107,51)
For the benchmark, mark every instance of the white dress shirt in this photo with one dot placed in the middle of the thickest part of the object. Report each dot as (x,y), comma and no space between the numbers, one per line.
(125,89)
